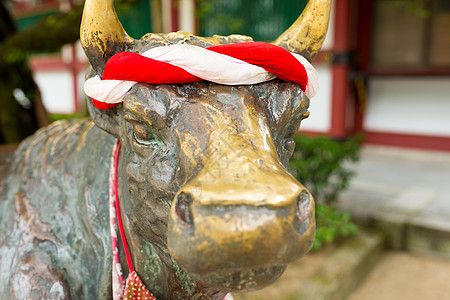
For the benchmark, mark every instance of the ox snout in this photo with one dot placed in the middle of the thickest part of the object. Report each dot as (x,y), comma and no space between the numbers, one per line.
(238,233)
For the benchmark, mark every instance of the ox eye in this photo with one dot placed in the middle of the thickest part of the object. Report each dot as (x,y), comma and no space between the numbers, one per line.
(145,136)
(142,141)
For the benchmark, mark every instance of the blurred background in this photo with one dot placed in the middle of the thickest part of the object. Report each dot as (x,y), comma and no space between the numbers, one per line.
(375,151)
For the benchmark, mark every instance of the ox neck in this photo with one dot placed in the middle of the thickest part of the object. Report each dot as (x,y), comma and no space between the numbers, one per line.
(134,287)
(118,281)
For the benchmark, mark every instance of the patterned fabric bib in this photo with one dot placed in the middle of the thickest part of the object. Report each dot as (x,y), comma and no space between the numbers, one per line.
(135,289)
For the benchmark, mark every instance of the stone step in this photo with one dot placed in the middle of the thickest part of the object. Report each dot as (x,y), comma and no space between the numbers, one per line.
(422,235)
(343,271)
(413,218)
(406,194)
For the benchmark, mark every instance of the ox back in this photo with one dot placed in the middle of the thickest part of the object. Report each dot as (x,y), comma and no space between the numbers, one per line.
(54,216)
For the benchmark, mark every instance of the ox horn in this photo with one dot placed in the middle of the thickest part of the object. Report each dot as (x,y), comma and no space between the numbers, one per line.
(101,33)
(308,32)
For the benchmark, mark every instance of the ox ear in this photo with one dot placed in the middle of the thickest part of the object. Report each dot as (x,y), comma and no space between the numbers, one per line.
(109,120)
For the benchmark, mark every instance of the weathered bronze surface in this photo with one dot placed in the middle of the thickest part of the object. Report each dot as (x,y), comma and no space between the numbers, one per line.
(207,203)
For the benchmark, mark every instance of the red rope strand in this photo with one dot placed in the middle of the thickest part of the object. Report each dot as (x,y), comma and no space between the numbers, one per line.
(119,218)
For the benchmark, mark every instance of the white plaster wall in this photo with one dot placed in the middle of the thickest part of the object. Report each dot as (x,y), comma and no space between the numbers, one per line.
(328,43)
(57,91)
(320,105)
(409,105)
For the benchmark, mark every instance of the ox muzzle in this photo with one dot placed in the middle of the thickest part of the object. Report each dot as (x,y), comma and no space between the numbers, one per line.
(243,217)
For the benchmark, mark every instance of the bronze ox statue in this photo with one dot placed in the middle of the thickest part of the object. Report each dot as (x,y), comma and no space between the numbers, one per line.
(207,202)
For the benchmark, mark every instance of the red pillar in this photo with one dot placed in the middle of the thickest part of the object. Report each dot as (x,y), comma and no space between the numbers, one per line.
(340,70)
(174,15)
(74,72)
(364,21)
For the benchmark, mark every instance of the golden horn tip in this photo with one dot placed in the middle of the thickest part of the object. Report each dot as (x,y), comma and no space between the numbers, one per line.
(307,33)
(101,33)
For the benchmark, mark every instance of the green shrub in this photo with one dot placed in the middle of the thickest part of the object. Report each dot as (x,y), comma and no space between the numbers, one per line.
(331,225)
(319,163)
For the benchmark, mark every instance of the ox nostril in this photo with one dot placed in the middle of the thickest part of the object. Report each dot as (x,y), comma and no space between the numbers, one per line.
(183,210)
(302,213)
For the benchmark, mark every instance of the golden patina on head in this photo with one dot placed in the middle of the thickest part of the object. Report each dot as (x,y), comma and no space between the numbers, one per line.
(237,217)
(243,216)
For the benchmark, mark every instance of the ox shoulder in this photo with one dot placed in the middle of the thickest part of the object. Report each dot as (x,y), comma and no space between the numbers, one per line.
(54,212)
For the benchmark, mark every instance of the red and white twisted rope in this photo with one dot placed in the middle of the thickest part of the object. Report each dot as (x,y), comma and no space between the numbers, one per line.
(232,64)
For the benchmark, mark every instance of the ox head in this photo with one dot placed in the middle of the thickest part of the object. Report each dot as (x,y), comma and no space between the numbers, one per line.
(203,167)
